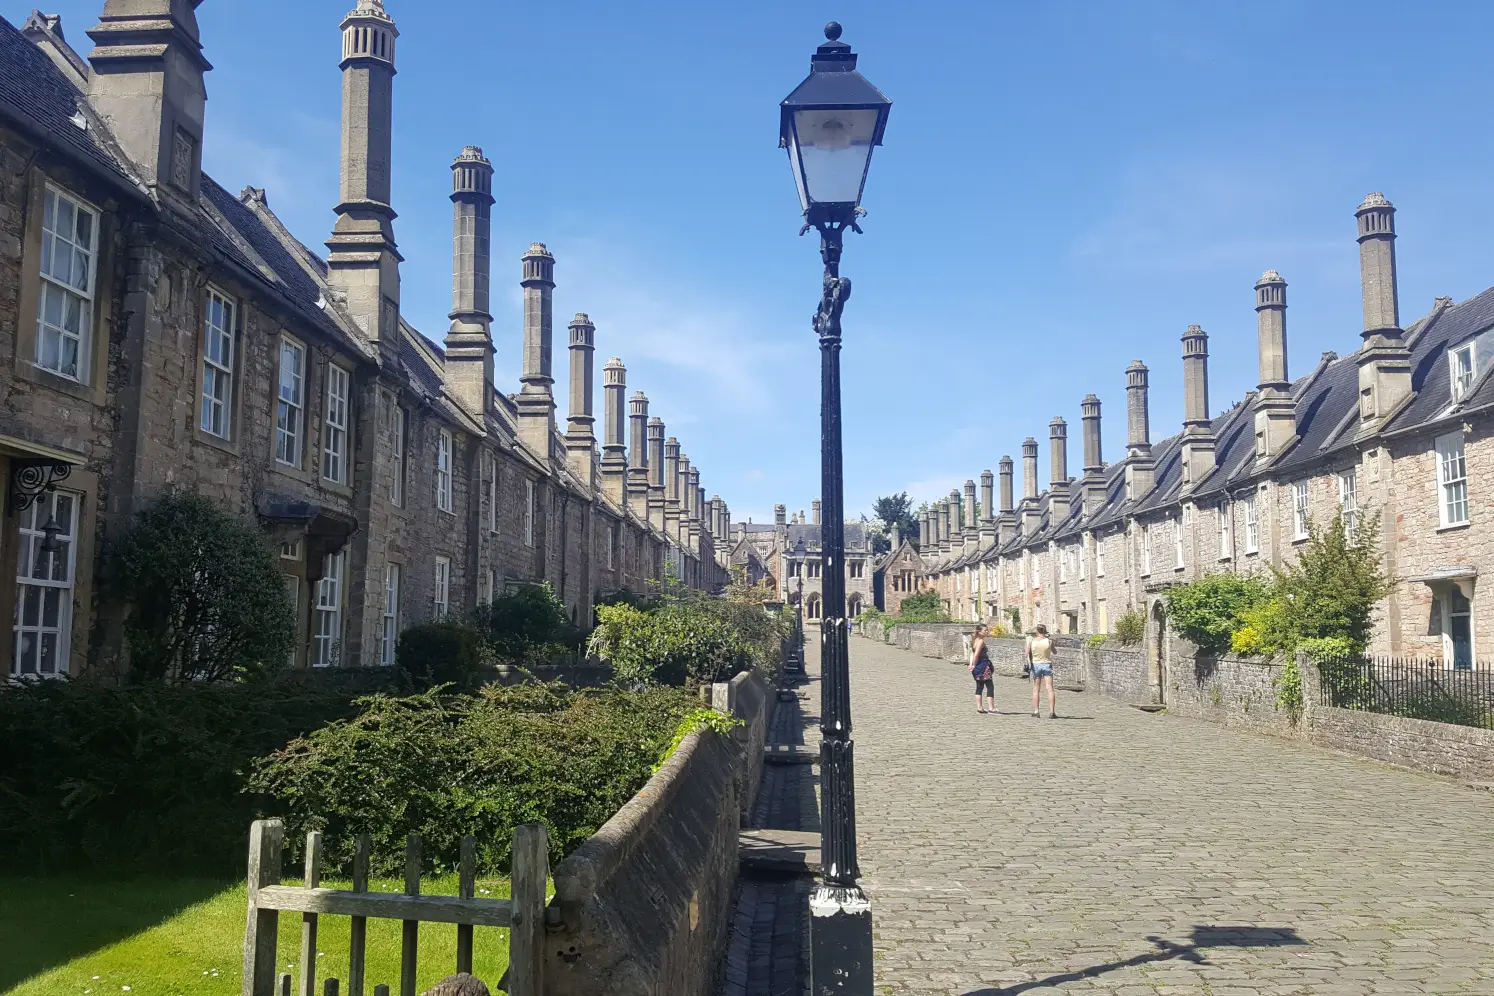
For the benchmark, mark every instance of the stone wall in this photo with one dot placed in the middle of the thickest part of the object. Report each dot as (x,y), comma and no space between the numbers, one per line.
(642,907)
(1227,690)
(1461,751)
(1116,671)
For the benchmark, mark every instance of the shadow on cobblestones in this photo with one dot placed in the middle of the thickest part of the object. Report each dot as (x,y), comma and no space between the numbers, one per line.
(1203,937)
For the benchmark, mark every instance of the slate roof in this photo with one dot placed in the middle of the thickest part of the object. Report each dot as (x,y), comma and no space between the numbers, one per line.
(810,534)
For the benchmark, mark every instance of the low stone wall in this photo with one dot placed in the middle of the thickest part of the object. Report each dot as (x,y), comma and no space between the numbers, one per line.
(945,641)
(1228,690)
(642,907)
(1117,671)
(1009,654)
(1441,748)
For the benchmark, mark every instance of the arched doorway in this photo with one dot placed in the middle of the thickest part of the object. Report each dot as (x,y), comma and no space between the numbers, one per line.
(1156,652)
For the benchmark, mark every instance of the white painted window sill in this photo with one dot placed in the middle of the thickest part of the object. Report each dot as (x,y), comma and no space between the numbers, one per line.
(1453,527)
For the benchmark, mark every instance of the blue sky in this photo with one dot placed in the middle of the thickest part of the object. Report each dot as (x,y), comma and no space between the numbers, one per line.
(1065,187)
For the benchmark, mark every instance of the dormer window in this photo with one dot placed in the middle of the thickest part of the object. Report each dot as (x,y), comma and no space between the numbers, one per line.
(1461,360)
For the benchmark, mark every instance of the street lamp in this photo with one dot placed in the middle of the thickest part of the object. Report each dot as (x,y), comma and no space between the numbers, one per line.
(829,125)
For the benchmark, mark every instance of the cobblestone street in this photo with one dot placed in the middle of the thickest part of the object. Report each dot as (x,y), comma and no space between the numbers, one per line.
(1117,851)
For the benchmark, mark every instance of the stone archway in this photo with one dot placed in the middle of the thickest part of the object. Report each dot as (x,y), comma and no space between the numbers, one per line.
(1156,652)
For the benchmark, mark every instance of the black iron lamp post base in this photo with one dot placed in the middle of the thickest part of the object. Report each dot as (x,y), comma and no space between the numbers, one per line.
(840,941)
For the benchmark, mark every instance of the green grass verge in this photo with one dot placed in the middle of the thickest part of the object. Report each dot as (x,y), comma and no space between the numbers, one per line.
(184,937)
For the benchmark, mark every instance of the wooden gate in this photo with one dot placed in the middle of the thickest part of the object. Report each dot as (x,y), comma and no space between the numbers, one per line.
(523,915)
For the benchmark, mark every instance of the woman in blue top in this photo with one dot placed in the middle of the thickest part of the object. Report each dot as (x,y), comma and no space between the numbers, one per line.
(983,671)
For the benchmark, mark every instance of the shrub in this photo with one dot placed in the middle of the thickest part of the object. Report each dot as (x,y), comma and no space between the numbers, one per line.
(1098,640)
(446,766)
(1208,610)
(996,629)
(682,642)
(1130,628)
(1015,615)
(1288,685)
(205,596)
(1332,588)
(527,624)
(438,653)
(150,777)
(924,607)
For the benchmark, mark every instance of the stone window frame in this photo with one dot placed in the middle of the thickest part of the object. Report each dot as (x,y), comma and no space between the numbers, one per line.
(296,346)
(93,388)
(228,440)
(441,591)
(1179,561)
(1226,515)
(327,646)
(1252,525)
(399,446)
(1301,511)
(1144,532)
(344,428)
(28,529)
(1099,555)
(1348,497)
(856,569)
(445,480)
(530,497)
(1452,480)
(491,459)
(392,613)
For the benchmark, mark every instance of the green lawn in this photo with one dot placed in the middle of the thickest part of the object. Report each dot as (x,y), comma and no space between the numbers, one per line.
(184,937)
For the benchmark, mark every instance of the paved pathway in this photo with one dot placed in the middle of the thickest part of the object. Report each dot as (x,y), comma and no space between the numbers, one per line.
(1116,851)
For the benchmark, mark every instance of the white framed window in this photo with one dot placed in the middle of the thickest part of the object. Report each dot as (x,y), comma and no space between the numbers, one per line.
(327,641)
(443,471)
(291,550)
(290,405)
(392,584)
(397,464)
(217,364)
(1063,567)
(611,544)
(1300,515)
(492,493)
(44,587)
(293,592)
(1037,570)
(493,587)
(1146,549)
(64,322)
(1252,528)
(528,513)
(1099,556)
(1461,361)
(814,568)
(1452,480)
(443,587)
(1226,531)
(1348,498)
(1083,559)
(335,426)
(1177,542)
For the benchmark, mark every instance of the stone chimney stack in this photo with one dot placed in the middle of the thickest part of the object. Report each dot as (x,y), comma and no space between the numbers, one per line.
(1008,502)
(695,510)
(1198,428)
(656,500)
(1275,411)
(814,511)
(469,341)
(1029,468)
(535,401)
(1058,459)
(614,449)
(638,453)
(970,533)
(987,508)
(780,515)
(672,509)
(1384,361)
(1140,468)
(1094,462)
(148,85)
(580,438)
(363,260)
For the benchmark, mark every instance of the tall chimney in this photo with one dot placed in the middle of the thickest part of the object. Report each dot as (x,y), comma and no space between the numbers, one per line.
(672,509)
(1140,468)
(1008,503)
(1275,411)
(469,341)
(970,534)
(1058,459)
(614,449)
(147,84)
(780,515)
(535,401)
(1029,468)
(956,518)
(1094,462)
(656,500)
(1198,428)
(987,508)
(1384,361)
(695,510)
(580,438)
(814,511)
(946,515)
(363,260)
(638,453)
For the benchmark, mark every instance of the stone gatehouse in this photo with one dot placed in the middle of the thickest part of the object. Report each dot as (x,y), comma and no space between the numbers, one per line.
(160,334)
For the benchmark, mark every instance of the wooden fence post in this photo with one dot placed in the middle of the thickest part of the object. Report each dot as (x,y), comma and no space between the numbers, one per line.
(265,840)
(468,891)
(526,938)
(358,931)
(308,920)
(410,933)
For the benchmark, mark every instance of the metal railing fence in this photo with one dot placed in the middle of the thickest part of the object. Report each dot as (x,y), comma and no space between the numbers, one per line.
(1411,687)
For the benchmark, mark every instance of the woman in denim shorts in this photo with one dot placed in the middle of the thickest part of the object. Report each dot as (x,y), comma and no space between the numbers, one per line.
(1040,652)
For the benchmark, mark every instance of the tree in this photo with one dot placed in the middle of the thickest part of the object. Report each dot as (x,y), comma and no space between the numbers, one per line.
(204,591)
(896,511)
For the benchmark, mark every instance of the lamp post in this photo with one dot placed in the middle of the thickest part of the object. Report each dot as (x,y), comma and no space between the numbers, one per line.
(829,125)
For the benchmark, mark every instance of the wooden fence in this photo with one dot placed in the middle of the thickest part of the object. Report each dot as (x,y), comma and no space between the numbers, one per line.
(524,914)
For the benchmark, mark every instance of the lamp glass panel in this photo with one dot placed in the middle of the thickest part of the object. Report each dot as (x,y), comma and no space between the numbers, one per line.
(834,149)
